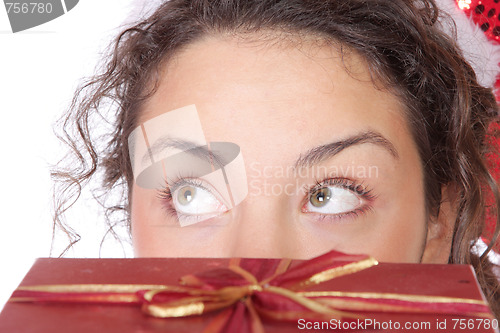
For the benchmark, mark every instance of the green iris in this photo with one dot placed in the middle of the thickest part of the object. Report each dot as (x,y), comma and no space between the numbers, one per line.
(186,195)
(320,197)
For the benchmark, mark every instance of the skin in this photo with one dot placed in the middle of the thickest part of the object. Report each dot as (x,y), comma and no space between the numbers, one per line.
(278,101)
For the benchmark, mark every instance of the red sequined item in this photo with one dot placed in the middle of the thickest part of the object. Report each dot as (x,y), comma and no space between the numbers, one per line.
(486,14)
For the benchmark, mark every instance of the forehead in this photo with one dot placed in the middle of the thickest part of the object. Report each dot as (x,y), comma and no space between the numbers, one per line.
(239,67)
(251,91)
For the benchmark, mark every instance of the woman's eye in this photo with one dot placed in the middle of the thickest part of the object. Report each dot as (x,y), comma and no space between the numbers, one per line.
(331,200)
(195,203)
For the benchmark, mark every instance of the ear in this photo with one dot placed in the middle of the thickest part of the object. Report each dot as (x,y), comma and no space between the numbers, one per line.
(440,229)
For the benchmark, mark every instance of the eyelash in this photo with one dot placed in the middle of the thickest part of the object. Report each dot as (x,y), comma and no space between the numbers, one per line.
(346,183)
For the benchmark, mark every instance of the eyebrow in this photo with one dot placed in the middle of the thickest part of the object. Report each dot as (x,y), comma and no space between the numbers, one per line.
(319,154)
(185,146)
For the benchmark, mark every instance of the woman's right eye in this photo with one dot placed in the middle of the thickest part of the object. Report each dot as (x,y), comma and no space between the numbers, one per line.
(194,202)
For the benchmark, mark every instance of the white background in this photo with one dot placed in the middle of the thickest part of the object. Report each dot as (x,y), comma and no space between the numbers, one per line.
(39,71)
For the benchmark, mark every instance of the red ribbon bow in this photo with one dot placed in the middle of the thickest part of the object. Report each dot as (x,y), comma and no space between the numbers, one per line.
(245,294)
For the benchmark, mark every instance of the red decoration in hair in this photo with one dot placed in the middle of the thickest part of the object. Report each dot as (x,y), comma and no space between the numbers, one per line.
(486,15)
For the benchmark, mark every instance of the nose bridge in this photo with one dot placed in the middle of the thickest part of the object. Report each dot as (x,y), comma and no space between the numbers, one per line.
(263,227)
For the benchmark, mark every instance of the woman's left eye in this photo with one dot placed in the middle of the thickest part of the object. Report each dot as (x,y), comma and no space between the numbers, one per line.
(332,200)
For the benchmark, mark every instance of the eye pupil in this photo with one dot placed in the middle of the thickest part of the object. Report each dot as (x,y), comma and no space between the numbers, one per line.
(321,197)
(186,195)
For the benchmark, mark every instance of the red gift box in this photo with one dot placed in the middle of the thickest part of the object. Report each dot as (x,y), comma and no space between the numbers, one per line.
(332,292)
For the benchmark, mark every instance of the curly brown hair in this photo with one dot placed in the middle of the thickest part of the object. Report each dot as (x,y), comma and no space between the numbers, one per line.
(447,109)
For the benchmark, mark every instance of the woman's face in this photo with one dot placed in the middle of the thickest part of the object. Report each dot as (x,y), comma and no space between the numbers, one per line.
(329,159)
